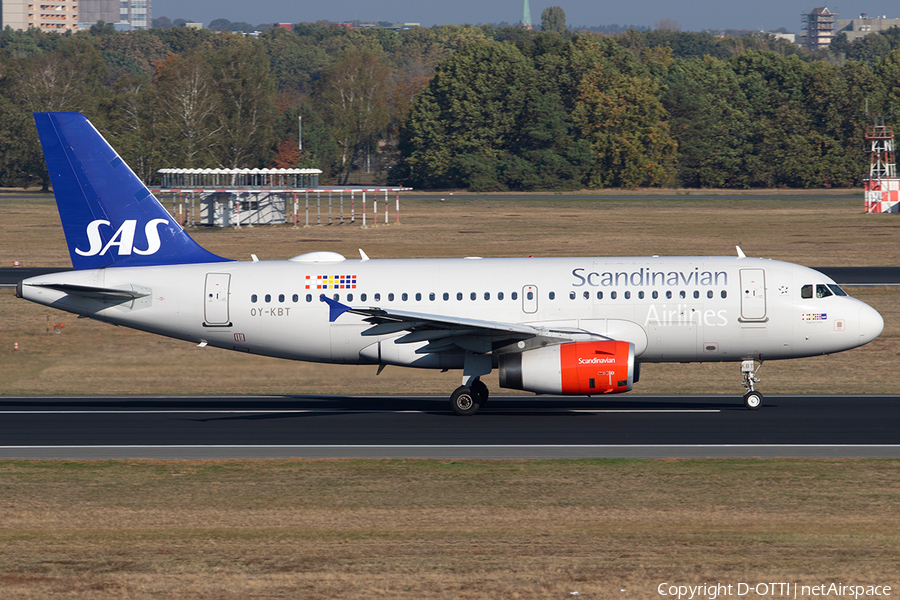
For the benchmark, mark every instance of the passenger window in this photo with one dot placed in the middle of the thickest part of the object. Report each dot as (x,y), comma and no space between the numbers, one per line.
(655,294)
(724,294)
(418,297)
(390,296)
(599,295)
(268,297)
(822,291)
(281,297)
(253,298)
(628,295)
(681,294)
(669,294)
(459,295)
(295,298)
(709,294)
(530,295)
(641,294)
(404,296)
(309,297)
(362,297)
(586,295)
(446,296)
(336,297)
(472,295)
(806,291)
(514,295)
(612,295)
(377,297)
(349,297)
(487,295)
(696,294)
(499,295)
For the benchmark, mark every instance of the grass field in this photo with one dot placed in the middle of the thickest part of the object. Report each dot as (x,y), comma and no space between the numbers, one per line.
(446,529)
(441,529)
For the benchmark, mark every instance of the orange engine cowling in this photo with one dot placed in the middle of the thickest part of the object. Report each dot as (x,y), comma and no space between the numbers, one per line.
(578,368)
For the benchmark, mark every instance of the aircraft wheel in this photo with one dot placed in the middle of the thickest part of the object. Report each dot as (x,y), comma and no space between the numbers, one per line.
(464,402)
(481,392)
(753,400)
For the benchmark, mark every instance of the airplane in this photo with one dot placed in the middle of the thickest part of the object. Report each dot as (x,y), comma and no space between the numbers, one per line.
(569,326)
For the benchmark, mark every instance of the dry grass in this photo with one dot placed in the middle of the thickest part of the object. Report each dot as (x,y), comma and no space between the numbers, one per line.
(91,357)
(440,529)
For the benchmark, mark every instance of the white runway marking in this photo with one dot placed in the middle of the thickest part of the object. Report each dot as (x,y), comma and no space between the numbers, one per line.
(456,446)
(188,411)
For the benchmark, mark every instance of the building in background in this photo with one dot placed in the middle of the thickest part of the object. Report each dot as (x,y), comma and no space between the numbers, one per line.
(91,12)
(46,15)
(134,14)
(818,28)
(864,25)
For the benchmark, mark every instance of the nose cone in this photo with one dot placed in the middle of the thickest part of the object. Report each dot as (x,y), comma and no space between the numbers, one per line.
(870,324)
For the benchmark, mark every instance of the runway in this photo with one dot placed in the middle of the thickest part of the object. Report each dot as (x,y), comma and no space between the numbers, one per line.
(423,427)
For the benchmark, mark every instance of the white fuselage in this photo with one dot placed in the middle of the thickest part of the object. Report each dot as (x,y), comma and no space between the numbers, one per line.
(674,309)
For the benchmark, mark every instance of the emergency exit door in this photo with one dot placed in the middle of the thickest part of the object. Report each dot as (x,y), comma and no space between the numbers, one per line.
(215,311)
(753,295)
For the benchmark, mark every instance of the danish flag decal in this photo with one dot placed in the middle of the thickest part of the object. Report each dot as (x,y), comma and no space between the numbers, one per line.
(109,216)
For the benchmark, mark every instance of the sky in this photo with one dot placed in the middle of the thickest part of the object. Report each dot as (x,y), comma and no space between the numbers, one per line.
(692,15)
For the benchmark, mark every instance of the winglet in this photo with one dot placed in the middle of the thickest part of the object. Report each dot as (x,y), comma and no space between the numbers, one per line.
(740,252)
(363,255)
(335,308)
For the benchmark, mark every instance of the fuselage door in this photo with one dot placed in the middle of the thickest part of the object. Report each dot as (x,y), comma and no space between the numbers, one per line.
(530,299)
(753,294)
(215,308)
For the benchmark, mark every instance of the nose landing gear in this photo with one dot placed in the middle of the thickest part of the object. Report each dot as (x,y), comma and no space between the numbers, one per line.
(752,399)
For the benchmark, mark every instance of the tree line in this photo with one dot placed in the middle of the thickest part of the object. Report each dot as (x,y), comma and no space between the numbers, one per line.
(480,107)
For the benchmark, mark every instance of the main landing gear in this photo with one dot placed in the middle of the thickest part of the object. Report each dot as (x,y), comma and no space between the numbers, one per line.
(752,399)
(466,400)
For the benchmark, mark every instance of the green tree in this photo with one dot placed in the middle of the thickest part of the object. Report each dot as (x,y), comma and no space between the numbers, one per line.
(553,18)
(189,105)
(353,100)
(246,87)
(461,124)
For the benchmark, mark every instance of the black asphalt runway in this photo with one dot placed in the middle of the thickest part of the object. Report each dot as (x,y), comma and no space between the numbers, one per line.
(423,426)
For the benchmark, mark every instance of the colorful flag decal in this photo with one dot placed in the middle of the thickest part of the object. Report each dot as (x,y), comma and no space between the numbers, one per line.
(331,282)
(814,317)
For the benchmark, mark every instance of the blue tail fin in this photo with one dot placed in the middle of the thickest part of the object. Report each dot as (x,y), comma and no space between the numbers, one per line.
(109,217)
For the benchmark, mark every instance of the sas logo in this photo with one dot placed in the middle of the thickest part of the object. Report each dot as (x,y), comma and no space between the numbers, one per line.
(814,317)
(123,239)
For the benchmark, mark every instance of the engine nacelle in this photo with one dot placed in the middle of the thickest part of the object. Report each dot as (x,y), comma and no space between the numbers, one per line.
(577,368)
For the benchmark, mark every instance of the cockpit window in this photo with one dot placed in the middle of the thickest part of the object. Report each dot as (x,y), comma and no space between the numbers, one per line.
(806,291)
(836,289)
(822,291)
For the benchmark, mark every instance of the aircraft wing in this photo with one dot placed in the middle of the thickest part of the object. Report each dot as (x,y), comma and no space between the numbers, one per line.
(444,333)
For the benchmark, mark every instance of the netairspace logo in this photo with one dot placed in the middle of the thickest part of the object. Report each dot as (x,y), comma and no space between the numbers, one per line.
(777,590)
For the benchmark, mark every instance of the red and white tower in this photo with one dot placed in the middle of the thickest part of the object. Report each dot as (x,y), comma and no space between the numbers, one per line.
(882,185)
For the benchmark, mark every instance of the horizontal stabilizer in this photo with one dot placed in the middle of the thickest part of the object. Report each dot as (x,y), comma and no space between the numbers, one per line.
(126,292)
